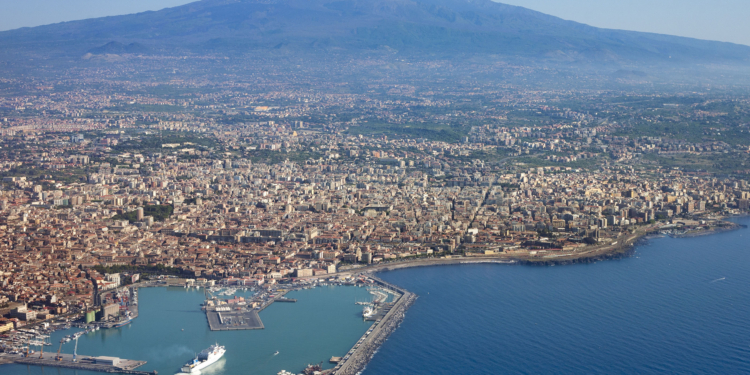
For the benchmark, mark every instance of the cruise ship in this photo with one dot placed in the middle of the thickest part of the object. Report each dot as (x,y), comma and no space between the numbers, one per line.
(204,359)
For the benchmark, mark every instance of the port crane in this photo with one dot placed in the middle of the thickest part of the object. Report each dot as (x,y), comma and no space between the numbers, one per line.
(75,349)
(29,343)
(58,357)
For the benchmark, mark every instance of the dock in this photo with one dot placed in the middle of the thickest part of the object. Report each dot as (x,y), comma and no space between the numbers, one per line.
(101,364)
(233,319)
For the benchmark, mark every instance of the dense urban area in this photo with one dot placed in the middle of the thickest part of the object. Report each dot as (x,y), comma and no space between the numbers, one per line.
(253,181)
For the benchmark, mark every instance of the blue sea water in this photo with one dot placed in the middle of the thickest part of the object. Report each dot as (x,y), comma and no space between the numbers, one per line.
(677,306)
(171,328)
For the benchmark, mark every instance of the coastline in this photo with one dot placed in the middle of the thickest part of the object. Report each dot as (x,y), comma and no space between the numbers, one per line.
(364,350)
(620,247)
(361,354)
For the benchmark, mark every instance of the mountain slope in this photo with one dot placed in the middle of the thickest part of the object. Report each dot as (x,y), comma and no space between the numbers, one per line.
(442,27)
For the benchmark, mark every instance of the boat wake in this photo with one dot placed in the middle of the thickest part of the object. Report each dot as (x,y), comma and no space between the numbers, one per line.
(217,368)
(723,278)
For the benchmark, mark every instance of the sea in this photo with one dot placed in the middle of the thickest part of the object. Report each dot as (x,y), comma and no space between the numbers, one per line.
(674,306)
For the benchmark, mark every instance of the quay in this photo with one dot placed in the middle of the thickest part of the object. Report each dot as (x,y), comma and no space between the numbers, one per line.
(233,319)
(101,364)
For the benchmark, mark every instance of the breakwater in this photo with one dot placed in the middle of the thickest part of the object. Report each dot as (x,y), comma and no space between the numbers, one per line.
(368,345)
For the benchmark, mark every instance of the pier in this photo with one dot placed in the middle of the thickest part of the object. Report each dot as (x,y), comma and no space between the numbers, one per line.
(232,319)
(101,364)
(284,299)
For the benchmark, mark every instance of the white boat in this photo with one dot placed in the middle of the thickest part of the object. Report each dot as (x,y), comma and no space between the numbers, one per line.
(204,359)
(368,312)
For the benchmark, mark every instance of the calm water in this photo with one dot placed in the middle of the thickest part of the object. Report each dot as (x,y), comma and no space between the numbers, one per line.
(679,306)
(324,322)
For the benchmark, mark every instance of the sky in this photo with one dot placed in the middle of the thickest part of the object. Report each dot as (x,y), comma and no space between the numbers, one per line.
(723,20)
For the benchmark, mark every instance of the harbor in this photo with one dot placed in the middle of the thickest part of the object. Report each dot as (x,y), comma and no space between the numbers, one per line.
(231,309)
(236,313)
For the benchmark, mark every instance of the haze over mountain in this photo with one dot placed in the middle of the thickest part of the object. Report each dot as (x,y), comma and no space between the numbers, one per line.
(441,28)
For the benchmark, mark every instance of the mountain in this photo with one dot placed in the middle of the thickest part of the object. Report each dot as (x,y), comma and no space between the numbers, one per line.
(441,28)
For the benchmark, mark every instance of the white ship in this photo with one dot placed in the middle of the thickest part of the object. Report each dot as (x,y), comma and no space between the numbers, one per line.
(204,359)
(368,312)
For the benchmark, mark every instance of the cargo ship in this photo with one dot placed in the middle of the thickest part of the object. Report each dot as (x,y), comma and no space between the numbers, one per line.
(204,359)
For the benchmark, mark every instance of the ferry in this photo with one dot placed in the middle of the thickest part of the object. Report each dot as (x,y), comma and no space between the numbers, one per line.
(204,359)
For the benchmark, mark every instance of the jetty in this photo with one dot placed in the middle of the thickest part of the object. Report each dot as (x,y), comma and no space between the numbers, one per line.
(82,362)
(284,299)
(230,319)
(239,315)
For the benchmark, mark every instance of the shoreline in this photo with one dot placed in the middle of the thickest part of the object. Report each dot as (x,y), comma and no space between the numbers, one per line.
(369,344)
(362,354)
(614,251)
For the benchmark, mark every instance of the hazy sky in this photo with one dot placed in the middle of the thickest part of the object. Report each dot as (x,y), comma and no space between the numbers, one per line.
(725,20)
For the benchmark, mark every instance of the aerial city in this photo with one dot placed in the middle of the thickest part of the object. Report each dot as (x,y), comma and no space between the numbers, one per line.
(371,187)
